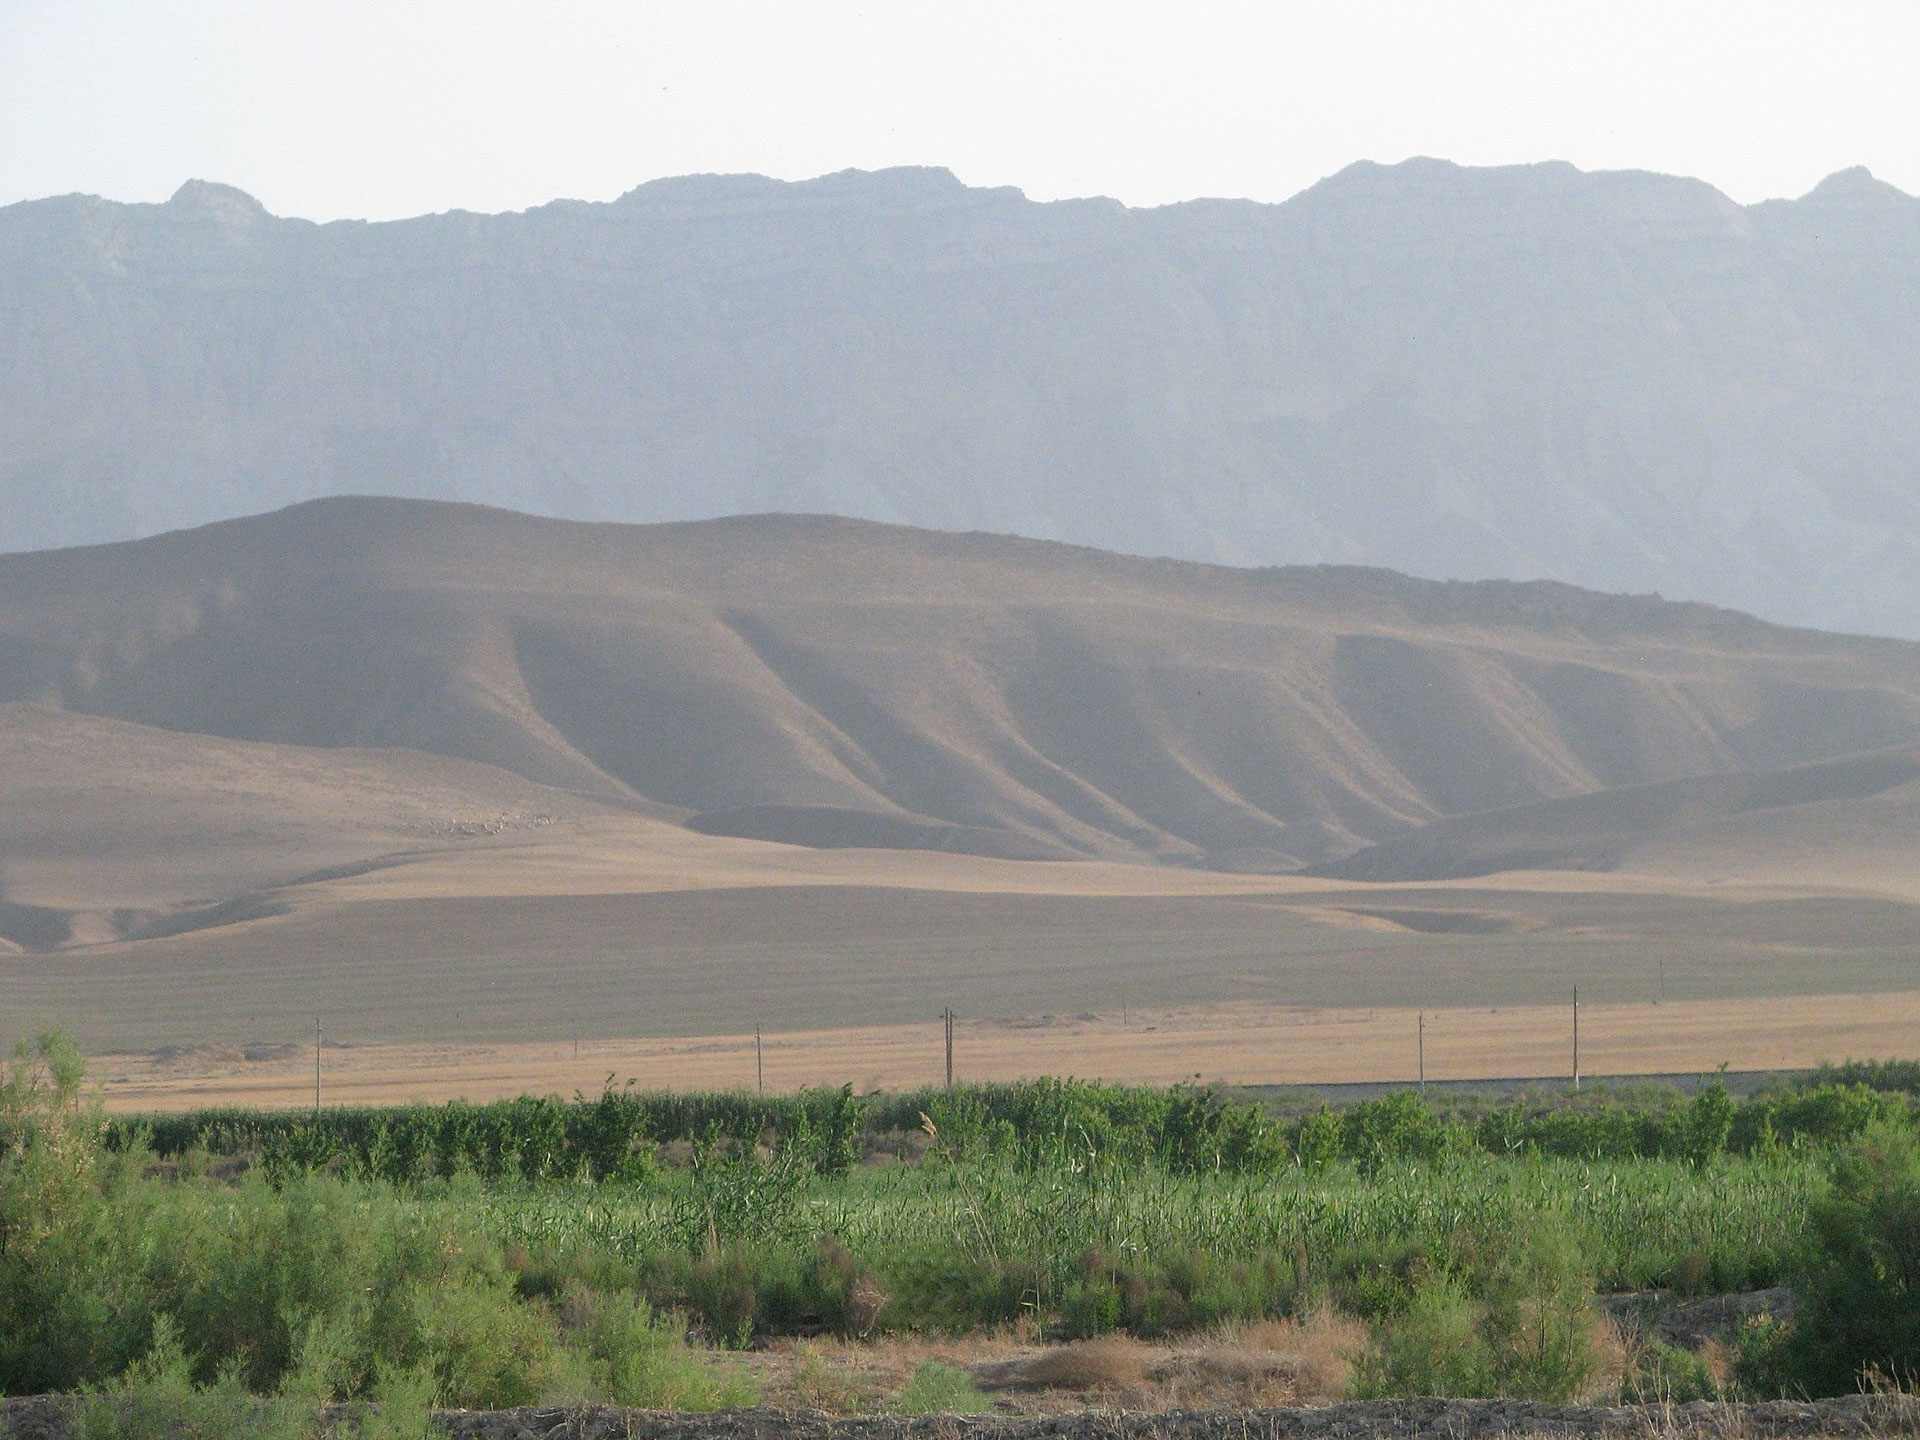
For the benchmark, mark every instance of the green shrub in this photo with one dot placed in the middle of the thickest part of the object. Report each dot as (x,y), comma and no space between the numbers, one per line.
(1662,1374)
(1859,1288)
(1901,1076)
(1538,1321)
(326,1361)
(486,1349)
(736,1196)
(402,1407)
(245,1271)
(1518,1323)
(637,1358)
(1316,1143)
(1708,1123)
(950,1292)
(831,1290)
(1376,1282)
(1201,1130)
(1433,1347)
(157,1399)
(71,1313)
(826,1133)
(723,1291)
(963,1128)
(1090,1308)
(1400,1126)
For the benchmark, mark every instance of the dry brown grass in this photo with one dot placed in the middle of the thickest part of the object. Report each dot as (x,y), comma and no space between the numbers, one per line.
(815,1382)
(1278,1364)
(1264,1364)
(1719,1359)
(1109,1363)
(840,1376)
(1612,1348)
(1321,1349)
(1272,1363)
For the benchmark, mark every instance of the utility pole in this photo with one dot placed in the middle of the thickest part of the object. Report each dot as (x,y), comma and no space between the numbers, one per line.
(317,1042)
(759,1062)
(1423,1052)
(1576,1037)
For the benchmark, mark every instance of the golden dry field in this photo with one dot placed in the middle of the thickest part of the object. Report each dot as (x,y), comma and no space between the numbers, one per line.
(1248,1044)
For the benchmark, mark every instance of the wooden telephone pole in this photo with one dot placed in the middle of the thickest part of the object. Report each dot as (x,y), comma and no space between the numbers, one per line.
(1576,1037)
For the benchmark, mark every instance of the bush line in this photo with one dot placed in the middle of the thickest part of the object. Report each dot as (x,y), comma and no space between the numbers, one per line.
(1186,1129)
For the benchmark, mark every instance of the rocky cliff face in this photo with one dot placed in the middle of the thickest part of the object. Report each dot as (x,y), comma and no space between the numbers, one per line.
(1621,380)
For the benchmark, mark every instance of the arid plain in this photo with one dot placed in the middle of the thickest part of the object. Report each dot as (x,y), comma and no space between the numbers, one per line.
(469,788)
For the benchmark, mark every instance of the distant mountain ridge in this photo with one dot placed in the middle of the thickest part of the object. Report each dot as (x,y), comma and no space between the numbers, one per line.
(832,682)
(1620,380)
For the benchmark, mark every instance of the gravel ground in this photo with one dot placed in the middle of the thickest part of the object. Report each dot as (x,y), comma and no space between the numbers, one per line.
(43,1418)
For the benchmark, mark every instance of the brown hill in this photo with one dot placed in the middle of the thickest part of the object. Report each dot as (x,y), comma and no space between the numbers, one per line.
(442,774)
(1799,821)
(110,830)
(835,682)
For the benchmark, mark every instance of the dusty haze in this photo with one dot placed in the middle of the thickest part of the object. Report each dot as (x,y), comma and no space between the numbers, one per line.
(1622,380)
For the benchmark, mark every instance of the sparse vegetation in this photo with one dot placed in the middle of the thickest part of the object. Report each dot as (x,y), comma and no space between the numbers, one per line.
(1176,1244)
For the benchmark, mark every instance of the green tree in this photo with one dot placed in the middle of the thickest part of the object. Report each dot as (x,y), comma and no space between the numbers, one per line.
(1859,1290)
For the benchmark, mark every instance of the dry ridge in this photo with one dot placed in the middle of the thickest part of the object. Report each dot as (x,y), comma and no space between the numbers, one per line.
(838,683)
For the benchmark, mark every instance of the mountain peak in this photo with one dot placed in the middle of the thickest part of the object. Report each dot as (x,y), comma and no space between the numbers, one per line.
(1427,176)
(913,186)
(1854,186)
(224,202)
(926,178)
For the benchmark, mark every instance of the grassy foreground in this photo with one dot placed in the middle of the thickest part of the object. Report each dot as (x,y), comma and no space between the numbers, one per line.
(547,1252)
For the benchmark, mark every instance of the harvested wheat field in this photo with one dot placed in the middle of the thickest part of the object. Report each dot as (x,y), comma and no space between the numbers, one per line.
(1246,1044)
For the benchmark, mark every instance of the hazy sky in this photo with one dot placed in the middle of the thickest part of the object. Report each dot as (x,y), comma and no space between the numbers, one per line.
(393,107)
